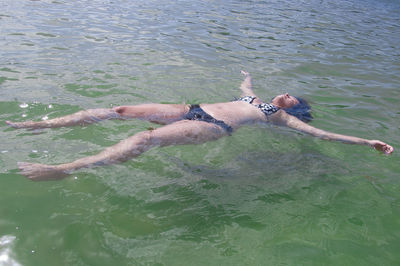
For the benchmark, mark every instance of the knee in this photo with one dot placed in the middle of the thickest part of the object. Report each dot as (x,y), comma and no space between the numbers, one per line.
(119,109)
(144,138)
(102,113)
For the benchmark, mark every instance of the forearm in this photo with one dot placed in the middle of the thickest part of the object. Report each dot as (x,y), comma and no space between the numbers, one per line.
(339,137)
(376,144)
(246,86)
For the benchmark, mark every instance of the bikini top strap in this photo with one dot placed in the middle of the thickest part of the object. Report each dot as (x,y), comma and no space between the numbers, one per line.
(266,108)
(247,99)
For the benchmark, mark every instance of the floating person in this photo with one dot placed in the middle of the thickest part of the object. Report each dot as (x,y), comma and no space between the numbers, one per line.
(184,124)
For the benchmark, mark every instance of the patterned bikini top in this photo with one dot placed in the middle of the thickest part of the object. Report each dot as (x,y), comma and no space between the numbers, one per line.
(266,108)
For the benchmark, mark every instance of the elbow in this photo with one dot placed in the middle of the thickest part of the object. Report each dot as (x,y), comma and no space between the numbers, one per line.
(324,137)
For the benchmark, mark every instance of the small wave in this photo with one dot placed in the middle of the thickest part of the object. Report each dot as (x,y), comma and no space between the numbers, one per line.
(6,259)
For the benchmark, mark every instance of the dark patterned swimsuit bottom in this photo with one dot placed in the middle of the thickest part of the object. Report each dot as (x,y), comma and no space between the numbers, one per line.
(198,114)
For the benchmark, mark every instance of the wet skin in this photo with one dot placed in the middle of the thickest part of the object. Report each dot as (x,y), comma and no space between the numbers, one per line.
(176,130)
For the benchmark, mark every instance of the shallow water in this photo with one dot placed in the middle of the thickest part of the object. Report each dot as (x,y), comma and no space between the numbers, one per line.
(264,196)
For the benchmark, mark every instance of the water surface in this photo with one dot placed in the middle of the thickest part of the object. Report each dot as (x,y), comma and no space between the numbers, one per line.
(264,196)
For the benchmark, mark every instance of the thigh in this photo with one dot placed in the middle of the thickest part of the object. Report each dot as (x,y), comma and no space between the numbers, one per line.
(186,132)
(153,112)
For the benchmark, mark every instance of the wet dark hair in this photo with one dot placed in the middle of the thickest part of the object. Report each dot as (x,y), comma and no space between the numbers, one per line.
(302,110)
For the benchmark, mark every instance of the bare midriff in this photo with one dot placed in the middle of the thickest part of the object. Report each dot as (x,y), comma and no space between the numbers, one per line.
(235,113)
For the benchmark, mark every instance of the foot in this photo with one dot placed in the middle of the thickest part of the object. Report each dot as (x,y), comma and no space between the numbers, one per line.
(41,172)
(27,124)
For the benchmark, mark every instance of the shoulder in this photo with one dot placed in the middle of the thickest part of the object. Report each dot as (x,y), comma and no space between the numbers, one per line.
(281,118)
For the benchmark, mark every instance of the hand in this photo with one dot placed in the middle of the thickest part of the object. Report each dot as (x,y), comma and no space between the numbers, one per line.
(381,146)
(245,73)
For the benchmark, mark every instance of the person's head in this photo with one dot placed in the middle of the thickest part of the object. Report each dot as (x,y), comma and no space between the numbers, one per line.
(295,106)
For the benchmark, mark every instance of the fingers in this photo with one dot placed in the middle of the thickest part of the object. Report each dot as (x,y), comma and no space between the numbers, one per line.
(387,149)
(382,146)
(245,73)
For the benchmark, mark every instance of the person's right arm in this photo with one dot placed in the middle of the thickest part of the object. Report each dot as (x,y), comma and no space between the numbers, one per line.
(246,87)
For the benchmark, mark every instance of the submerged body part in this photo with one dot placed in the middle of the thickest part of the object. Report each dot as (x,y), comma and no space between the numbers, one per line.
(184,124)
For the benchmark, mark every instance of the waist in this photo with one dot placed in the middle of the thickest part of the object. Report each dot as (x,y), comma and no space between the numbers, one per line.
(198,114)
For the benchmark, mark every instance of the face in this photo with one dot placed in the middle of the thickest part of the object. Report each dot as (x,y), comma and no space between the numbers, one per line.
(285,101)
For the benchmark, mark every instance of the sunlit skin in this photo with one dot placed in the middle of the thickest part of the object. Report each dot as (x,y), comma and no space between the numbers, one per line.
(175,130)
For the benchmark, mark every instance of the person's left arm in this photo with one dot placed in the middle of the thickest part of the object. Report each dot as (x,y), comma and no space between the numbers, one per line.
(284,119)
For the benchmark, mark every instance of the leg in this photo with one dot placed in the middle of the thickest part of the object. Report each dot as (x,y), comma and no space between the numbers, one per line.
(80,118)
(178,133)
(158,113)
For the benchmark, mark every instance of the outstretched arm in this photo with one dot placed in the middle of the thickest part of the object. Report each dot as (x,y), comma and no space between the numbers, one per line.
(246,86)
(282,118)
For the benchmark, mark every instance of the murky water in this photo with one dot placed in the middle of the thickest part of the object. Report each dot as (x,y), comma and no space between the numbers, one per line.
(264,196)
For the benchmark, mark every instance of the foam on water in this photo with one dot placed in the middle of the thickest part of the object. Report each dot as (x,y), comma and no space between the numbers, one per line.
(6,254)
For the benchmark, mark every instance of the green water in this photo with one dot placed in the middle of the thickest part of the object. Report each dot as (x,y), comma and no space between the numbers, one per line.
(264,196)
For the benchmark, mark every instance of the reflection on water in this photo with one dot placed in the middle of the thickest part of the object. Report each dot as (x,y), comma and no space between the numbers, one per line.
(265,195)
(6,255)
